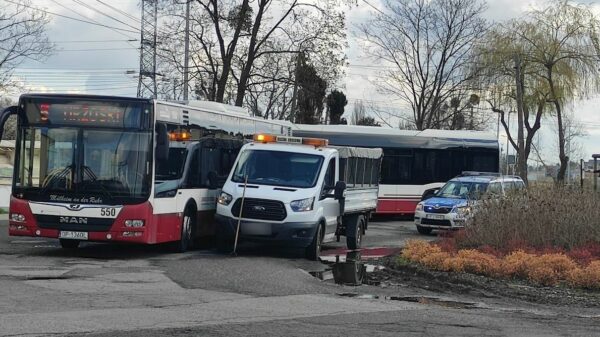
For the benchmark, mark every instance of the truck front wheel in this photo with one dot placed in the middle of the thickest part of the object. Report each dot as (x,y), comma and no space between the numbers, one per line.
(314,250)
(354,232)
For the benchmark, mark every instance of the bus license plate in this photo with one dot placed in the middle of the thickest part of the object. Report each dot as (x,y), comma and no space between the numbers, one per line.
(73,235)
(435,216)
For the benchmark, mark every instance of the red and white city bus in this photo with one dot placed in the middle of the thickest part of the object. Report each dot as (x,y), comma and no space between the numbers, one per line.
(101,168)
(413,161)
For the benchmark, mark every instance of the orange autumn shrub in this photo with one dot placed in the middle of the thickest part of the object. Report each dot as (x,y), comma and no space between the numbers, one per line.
(588,277)
(545,269)
(549,269)
(416,250)
(517,264)
(476,262)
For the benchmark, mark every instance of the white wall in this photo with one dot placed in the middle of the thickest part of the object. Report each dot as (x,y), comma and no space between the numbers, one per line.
(4,196)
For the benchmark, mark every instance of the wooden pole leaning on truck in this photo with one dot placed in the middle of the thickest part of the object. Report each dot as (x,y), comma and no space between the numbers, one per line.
(237,230)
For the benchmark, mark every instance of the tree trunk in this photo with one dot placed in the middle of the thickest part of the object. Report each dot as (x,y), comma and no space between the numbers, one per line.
(564,159)
(521,155)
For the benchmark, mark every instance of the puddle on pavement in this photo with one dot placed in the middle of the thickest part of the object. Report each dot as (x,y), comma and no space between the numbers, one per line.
(446,303)
(348,269)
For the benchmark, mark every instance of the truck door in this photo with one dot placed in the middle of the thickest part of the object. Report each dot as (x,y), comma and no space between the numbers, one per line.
(331,207)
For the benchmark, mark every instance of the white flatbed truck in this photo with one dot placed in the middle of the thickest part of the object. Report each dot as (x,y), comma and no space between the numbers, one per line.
(298,192)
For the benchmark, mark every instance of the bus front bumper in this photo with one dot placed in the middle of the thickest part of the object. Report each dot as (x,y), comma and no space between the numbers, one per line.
(288,234)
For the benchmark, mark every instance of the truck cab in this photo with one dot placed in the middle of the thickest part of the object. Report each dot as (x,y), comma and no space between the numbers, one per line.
(298,192)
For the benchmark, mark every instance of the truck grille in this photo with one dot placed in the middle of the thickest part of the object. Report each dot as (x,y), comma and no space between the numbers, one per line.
(260,209)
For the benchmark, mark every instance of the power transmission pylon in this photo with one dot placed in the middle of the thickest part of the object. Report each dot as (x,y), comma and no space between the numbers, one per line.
(147,82)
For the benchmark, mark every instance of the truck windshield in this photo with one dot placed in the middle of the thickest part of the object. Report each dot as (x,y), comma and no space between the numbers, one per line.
(463,190)
(278,168)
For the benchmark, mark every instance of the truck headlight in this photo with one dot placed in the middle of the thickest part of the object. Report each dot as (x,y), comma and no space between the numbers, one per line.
(419,206)
(224,198)
(302,205)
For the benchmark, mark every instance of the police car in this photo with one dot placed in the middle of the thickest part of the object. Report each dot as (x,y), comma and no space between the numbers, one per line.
(452,205)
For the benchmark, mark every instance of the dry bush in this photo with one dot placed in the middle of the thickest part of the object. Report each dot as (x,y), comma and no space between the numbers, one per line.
(476,262)
(517,264)
(416,250)
(588,277)
(546,216)
(550,269)
(545,269)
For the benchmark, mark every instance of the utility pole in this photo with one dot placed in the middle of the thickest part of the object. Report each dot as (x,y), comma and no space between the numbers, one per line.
(186,60)
(147,80)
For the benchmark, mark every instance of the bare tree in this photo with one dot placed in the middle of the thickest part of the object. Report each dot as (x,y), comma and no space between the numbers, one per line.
(22,37)
(564,44)
(428,45)
(511,82)
(233,42)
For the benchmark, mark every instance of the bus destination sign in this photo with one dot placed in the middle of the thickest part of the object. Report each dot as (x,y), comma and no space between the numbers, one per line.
(70,114)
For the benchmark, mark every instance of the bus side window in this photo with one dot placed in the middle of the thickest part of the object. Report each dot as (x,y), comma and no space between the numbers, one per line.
(193,180)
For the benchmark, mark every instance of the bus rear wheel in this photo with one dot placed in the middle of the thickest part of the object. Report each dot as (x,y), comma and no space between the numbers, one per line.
(69,244)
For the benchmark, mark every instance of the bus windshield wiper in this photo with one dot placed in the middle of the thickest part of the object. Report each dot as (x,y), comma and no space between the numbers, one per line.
(50,179)
(94,178)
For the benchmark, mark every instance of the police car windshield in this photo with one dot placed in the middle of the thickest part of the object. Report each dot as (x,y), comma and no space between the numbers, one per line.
(463,190)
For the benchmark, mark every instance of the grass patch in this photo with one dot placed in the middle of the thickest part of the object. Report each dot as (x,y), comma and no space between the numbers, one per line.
(3,210)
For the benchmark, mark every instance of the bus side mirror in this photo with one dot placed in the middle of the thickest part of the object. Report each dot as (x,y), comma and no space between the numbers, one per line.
(340,188)
(11,110)
(162,142)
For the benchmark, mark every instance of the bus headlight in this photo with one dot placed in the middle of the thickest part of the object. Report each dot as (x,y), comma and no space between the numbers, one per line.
(224,199)
(16,217)
(302,205)
(134,223)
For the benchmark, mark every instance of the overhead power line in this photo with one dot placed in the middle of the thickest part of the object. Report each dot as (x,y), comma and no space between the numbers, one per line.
(72,18)
(103,13)
(137,20)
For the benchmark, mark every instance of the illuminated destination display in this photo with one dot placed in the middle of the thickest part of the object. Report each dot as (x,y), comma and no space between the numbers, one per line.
(107,114)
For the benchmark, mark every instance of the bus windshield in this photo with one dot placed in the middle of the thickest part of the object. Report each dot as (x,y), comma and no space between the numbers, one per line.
(73,164)
(278,168)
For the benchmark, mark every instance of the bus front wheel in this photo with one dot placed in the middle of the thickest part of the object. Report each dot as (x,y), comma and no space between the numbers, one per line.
(69,244)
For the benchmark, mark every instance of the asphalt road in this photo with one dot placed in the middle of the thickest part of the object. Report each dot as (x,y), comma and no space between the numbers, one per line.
(110,290)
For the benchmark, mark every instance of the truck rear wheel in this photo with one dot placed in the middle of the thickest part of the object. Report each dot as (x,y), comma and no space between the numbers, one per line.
(314,250)
(354,232)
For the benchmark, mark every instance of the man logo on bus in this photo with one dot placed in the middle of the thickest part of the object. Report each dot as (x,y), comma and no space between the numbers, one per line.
(73,220)
(74,207)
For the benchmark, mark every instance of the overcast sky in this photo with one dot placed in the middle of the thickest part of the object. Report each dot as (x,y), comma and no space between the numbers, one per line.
(100,67)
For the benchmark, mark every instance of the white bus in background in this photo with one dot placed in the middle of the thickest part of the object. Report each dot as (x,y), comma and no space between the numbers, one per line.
(117,169)
(413,161)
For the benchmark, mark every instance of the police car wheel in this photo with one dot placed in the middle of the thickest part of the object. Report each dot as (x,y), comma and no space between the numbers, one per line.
(424,230)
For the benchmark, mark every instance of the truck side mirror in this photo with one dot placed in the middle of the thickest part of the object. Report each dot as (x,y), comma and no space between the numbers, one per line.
(162,143)
(340,188)
(11,110)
